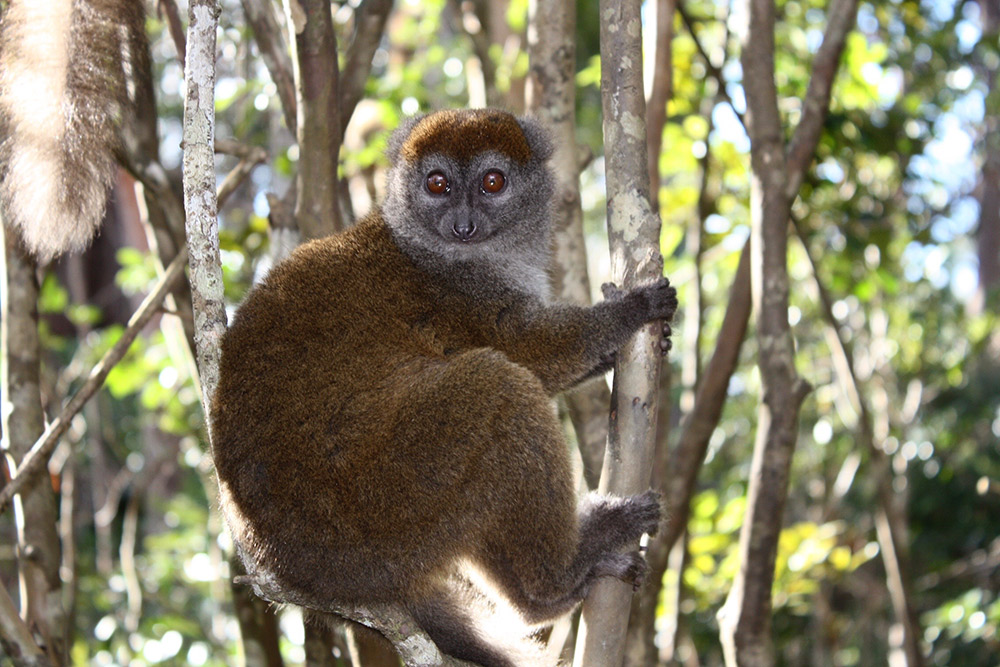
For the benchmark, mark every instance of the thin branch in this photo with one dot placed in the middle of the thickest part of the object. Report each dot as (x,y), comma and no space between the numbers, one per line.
(694,240)
(68,516)
(36,459)
(161,209)
(15,637)
(238,174)
(23,419)
(745,618)
(369,24)
(689,454)
(154,178)
(126,555)
(840,19)
(168,9)
(640,645)
(660,93)
(273,49)
(473,27)
(713,71)
(889,519)
(237,148)
(979,563)
(551,97)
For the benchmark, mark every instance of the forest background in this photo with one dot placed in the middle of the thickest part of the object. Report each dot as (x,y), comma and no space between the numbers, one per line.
(889,541)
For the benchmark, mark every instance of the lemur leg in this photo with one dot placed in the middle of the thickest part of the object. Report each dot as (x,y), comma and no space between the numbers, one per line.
(541,548)
(528,536)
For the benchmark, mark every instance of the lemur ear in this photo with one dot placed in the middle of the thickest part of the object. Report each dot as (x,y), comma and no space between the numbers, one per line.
(399,135)
(538,138)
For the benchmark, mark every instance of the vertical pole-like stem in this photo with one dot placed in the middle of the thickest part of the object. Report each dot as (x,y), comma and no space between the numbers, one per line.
(38,551)
(200,205)
(314,60)
(551,96)
(633,235)
(745,620)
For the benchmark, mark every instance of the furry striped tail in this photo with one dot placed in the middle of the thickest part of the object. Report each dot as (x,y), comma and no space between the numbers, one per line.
(63,100)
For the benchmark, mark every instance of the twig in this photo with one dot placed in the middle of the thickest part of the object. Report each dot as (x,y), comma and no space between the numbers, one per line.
(840,19)
(168,8)
(252,157)
(40,452)
(268,35)
(369,23)
(713,71)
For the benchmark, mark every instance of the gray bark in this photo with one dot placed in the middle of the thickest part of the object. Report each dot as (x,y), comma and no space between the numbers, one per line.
(38,549)
(314,58)
(633,235)
(200,202)
(745,619)
(551,96)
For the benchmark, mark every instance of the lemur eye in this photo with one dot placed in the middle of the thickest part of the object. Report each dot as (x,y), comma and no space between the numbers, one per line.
(437,183)
(493,182)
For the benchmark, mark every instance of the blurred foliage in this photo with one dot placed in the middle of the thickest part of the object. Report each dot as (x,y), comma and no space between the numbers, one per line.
(886,211)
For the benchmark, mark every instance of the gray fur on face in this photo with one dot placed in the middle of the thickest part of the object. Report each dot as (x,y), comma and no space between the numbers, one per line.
(512,227)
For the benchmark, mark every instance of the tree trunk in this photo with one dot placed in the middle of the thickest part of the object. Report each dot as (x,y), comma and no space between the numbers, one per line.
(745,619)
(777,172)
(988,234)
(314,57)
(633,234)
(551,96)
(38,549)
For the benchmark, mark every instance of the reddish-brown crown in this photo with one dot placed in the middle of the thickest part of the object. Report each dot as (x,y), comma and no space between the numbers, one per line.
(463,133)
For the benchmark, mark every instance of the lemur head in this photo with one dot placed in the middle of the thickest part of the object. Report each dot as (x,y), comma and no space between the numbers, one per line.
(471,184)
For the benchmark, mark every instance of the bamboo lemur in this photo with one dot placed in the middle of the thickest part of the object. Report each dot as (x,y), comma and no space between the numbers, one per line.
(67,87)
(383,425)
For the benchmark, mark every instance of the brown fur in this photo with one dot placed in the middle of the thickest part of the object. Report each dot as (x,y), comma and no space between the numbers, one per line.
(383,427)
(462,135)
(316,403)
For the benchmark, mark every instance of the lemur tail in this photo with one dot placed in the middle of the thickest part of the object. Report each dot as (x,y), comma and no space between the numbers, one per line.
(63,100)
(466,623)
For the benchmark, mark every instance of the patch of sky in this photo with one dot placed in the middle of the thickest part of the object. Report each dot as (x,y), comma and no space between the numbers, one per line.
(830,170)
(964,215)
(938,10)
(727,127)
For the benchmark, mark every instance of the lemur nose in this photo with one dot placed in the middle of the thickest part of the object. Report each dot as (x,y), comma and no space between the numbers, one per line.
(464,228)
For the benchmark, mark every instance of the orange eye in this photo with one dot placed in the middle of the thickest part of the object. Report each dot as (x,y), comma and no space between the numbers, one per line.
(437,183)
(493,182)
